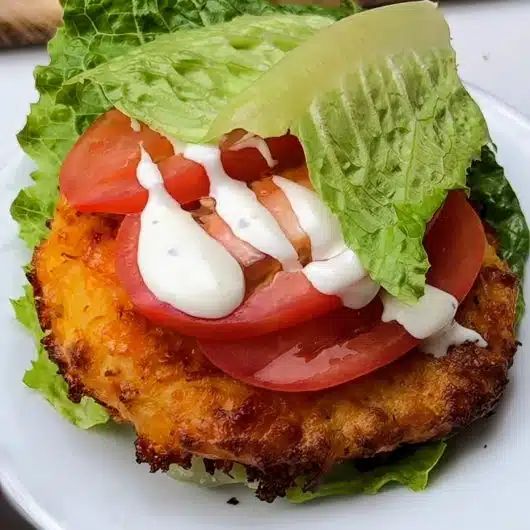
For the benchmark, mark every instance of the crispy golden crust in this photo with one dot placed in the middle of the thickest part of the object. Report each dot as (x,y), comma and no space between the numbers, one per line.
(181,405)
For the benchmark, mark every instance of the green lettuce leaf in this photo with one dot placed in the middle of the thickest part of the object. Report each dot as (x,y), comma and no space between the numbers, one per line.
(178,83)
(43,375)
(387,130)
(409,467)
(492,192)
(95,32)
(411,470)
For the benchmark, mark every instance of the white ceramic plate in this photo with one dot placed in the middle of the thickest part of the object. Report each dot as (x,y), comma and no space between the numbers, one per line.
(65,478)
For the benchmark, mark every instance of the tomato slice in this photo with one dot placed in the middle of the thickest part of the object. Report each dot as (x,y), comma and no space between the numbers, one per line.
(455,245)
(99,173)
(248,164)
(286,301)
(317,354)
(345,344)
(185,180)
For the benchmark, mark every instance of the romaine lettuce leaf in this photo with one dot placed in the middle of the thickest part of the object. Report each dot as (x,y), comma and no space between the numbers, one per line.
(499,206)
(178,83)
(94,32)
(197,474)
(387,129)
(411,470)
(386,125)
(409,467)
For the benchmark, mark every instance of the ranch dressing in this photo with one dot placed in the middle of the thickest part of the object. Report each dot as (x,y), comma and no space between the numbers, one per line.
(343,276)
(336,270)
(239,207)
(434,310)
(432,320)
(451,335)
(178,261)
(315,219)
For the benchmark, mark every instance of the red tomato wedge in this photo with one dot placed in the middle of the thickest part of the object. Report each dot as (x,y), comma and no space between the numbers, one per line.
(99,173)
(286,301)
(346,344)
(247,164)
(455,245)
(185,180)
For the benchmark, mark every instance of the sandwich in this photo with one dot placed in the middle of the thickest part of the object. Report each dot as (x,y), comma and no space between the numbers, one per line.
(273,239)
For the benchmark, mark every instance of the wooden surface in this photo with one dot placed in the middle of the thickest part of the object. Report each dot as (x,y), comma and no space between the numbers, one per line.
(28,21)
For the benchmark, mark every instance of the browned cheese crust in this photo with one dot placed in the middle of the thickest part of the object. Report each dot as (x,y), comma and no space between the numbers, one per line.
(180,405)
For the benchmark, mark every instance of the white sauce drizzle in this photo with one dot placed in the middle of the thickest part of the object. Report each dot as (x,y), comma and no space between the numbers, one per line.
(315,219)
(432,320)
(433,311)
(178,145)
(451,335)
(256,142)
(214,283)
(239,207)
(179,262)
(343,276)
(359,294)
(135,125)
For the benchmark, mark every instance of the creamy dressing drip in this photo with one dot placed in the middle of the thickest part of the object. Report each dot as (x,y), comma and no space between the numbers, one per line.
(178,261)
(335,269)
(315,219)
(432,320)
(343,276)
(451,335)
(251,140)
(239,207)
(434,310)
